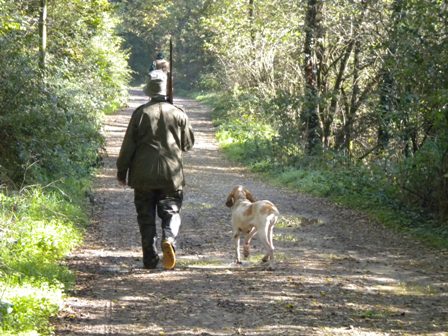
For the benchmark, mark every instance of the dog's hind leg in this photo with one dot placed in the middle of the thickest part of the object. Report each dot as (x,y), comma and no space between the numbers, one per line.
(269,243)
(270,240)
(265,240)
(247,240)
(271,234)
(236,244)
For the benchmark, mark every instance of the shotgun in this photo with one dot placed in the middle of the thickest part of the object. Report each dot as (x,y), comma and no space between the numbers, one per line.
(170,78)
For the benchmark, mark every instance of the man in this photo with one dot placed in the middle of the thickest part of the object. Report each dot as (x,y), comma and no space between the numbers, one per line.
(150,161)
(160,63)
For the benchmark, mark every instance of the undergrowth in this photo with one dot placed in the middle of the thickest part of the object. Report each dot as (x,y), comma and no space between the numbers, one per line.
(38,228)
(358,185)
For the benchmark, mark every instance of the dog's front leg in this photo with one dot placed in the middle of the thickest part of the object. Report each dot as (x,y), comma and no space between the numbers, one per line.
(236,243)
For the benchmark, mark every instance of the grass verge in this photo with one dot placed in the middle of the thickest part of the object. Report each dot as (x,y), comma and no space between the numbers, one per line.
(38,228)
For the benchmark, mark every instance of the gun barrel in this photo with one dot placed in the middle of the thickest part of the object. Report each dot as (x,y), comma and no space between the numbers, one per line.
(170,79)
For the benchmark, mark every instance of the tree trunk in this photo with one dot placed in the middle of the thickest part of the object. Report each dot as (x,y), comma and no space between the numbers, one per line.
(387,86)
(335,94)
(348,127)
(336,91)
(43,33)
(251,22)
(310,112)
(386,109)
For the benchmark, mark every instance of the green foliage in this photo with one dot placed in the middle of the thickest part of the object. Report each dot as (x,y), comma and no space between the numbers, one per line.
(50,120)
(418,121)
(245,139)
(30,311)
(38,228)
(146,27)
(222,104)
(251,45)
(242,132)
(423,177)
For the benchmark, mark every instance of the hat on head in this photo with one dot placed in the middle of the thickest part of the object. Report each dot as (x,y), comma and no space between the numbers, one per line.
(157,83)
(159,56)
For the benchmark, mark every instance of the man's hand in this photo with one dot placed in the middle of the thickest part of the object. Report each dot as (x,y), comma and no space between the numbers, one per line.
(121,177)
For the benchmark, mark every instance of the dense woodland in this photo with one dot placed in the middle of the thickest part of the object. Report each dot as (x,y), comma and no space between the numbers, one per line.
(345,99)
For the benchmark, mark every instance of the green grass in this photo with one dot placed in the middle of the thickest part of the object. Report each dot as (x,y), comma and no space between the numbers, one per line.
(38,228)
(289,222)
(286,237)
(362,191)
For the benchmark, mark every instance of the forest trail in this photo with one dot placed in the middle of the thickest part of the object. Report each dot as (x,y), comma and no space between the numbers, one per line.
(337,272)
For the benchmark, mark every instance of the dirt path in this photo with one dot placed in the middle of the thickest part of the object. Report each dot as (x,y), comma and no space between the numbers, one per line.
(337,273)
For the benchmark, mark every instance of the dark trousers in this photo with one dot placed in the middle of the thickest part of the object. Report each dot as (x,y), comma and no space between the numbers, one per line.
(167,205)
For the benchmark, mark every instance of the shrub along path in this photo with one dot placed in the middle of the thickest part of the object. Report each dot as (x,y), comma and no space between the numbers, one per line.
(337,272)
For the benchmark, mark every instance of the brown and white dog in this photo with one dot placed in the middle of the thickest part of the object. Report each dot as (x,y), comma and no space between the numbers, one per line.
(249,217)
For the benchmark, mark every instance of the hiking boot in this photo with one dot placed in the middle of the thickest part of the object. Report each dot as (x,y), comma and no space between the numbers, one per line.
(169,256)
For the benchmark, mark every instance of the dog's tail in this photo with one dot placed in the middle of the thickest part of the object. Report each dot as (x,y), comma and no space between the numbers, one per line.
(273,218)
(275,212)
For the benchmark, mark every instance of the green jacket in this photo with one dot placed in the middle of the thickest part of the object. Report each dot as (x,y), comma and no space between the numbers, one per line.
(151,153)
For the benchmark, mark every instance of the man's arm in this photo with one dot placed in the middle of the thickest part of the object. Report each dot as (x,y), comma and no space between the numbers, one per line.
(127,151)
(187,136)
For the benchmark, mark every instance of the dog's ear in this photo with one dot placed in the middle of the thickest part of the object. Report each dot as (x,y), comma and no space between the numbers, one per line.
(230,200)
(249,196)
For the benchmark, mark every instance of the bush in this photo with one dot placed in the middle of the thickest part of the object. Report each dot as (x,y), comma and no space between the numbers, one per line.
(423,178)
(246,139)
(50,118)
(38,228)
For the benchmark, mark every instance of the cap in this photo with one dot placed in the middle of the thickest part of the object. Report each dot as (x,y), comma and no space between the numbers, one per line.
(157,83)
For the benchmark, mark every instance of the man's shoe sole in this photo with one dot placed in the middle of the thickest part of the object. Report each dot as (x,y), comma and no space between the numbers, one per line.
(169,256)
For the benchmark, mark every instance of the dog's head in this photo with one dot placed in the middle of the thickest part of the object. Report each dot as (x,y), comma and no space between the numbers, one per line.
(239,192)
